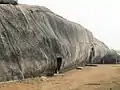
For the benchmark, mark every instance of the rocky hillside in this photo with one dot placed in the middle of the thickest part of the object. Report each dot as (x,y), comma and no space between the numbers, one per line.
(34,41)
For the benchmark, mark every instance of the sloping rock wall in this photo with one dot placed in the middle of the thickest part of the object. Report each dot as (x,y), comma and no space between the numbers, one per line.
(32,38)
(100,50)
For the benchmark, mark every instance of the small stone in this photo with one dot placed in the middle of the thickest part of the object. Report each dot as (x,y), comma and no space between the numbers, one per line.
(58,74)
(43,78)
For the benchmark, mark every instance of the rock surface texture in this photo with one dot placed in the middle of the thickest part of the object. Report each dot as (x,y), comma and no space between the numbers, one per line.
(8,1)
(33,40)
(100,50)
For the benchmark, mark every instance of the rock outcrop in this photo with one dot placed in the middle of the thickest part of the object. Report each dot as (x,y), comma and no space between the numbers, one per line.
(34,41)
(9,2)
(100,50)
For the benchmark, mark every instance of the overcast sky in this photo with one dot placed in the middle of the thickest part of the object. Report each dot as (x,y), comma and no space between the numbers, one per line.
(102,17)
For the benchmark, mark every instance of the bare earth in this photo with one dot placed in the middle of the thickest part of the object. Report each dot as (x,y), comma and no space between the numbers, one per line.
(102,77)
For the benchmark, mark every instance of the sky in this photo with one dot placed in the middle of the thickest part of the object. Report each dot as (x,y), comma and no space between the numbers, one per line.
(102,17)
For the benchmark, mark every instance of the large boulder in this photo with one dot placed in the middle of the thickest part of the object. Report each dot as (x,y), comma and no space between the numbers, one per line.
(100,50)
(112,57)
(34,41)
(8,1)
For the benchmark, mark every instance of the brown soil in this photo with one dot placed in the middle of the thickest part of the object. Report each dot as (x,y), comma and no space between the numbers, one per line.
(103,77)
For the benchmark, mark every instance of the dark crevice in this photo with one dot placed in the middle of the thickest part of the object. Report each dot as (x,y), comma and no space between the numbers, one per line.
(59,63)
(92,54)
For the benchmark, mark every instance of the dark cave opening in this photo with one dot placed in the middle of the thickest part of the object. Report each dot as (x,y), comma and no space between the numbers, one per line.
(59,63)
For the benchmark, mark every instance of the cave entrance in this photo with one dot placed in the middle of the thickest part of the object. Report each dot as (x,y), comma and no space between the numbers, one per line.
(59,63)
(92,54)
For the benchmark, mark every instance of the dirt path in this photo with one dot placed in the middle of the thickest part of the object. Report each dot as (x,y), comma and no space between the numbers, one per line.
(103,77)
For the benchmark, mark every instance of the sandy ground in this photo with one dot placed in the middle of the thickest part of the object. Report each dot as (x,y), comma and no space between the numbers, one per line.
(102,77)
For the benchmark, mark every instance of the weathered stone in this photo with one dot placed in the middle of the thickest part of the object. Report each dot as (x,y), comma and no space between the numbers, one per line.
(100,50)
(33,39)
(8,1)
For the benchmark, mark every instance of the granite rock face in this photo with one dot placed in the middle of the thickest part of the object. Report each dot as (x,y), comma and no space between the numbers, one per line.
(8,1)
(100,50)
(33,40)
